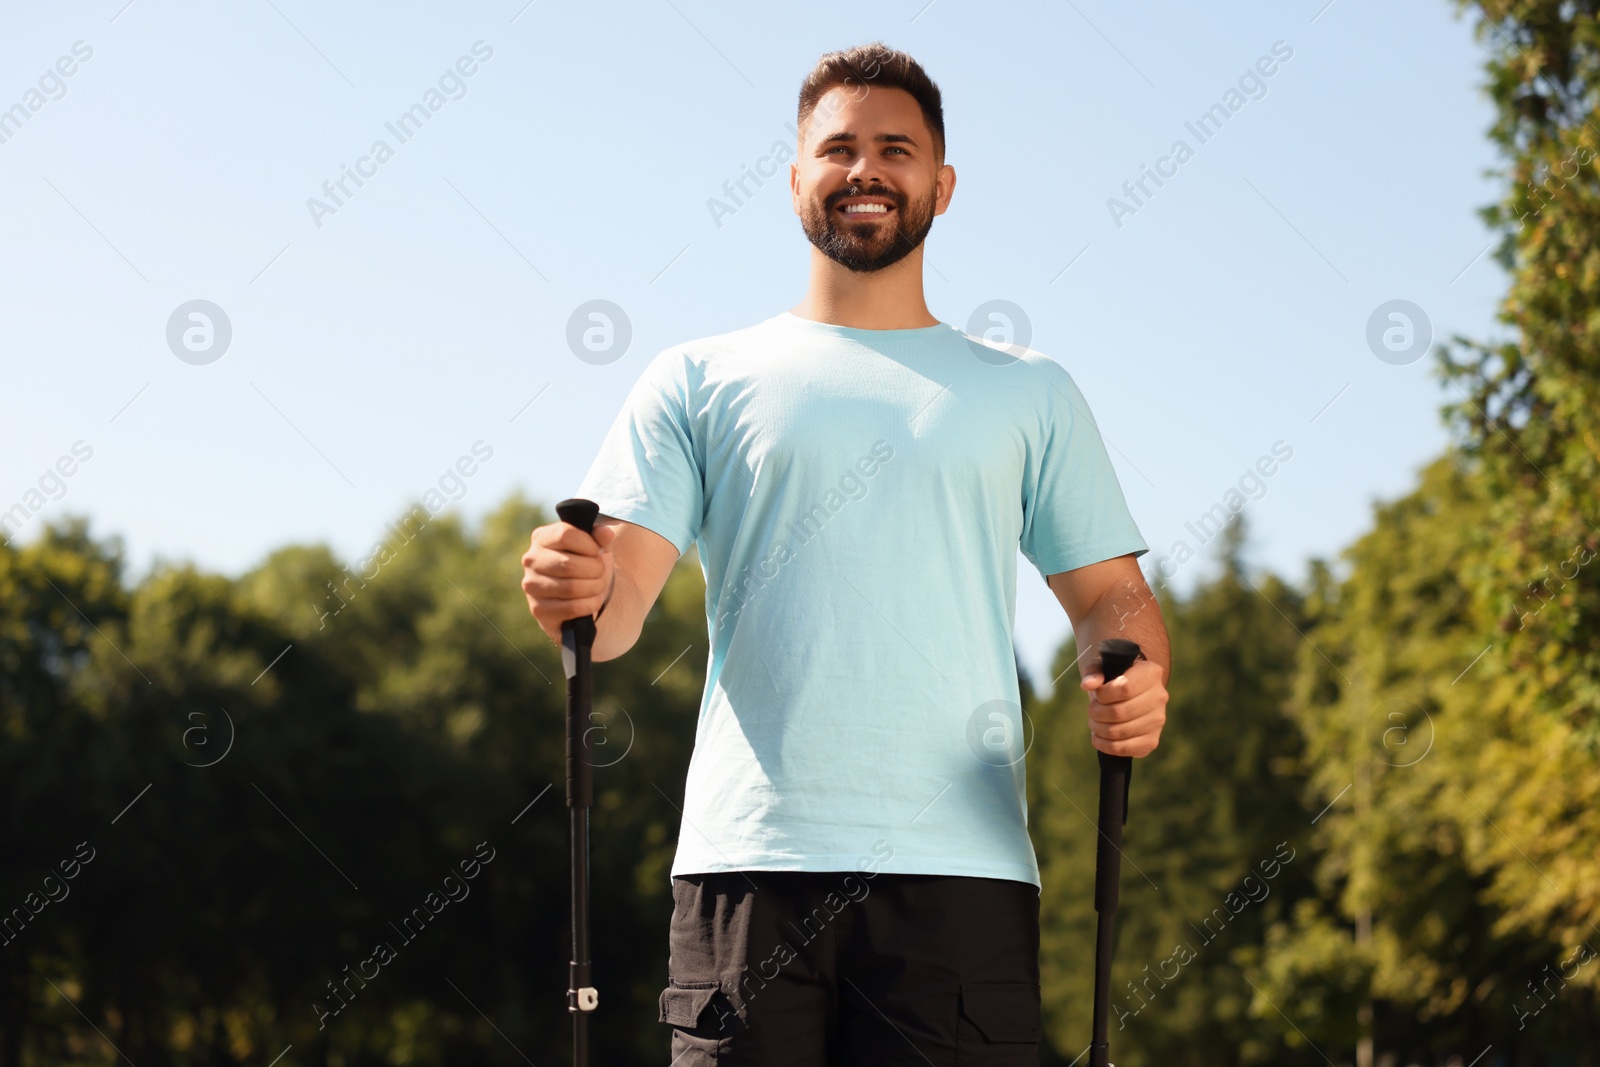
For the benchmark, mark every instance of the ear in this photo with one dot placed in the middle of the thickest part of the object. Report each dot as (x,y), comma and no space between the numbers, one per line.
(944,188)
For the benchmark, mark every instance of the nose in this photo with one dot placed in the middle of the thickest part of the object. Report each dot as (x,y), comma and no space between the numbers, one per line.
(864,171)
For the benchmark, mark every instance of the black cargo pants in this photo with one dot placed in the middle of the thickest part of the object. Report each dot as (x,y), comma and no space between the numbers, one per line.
(849,969)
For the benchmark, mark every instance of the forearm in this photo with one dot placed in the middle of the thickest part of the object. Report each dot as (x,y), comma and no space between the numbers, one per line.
(620,621)
(1130,612)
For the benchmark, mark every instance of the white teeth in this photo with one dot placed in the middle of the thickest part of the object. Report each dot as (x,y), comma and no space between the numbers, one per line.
(861,209)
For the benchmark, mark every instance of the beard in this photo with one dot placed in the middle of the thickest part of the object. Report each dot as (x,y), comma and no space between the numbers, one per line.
(873,243)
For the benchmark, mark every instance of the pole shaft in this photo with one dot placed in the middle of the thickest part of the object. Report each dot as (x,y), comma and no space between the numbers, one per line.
(1116,772)
(578,976)
(577,641)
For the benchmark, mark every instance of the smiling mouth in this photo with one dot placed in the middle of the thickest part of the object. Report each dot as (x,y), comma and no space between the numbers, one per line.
(865,211)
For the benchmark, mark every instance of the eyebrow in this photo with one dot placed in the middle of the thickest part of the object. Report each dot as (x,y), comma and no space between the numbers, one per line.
(846,137)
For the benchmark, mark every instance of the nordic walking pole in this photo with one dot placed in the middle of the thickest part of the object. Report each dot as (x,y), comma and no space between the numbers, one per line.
(577,638)
(1116,772)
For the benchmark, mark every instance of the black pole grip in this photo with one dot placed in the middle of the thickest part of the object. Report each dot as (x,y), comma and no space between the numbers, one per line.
(1116,656)
(577,641)
(578,512)
(1116,772)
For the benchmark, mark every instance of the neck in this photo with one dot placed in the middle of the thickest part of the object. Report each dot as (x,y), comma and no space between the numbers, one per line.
(889,299)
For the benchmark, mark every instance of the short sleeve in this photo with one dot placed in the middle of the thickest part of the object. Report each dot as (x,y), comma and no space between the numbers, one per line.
(646,471)
(1073,510)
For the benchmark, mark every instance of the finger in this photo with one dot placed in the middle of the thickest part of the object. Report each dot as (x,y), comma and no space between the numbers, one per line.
(1141,676)
(574,607)
(1127,731)
(1092,681)
(568,565)
(552,613)
(568,538)
(1134,707)
(1142,746)
(546,588)
(1113,691)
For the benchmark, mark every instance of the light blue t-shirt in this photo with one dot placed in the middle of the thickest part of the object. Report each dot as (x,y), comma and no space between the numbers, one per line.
(859,497)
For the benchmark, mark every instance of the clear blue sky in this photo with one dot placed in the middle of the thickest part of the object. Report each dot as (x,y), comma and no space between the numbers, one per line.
(576,163)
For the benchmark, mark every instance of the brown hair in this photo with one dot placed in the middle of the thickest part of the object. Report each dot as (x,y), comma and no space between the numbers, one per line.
(884,67)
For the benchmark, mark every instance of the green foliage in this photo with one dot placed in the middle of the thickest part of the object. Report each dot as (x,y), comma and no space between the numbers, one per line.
(298,778)
(291,773)
(1529,417)
(1216,841)
(1448,691)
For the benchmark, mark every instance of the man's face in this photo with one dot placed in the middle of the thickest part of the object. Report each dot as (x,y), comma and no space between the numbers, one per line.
(868,145)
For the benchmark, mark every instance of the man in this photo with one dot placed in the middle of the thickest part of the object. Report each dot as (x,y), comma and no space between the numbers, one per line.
(854,882)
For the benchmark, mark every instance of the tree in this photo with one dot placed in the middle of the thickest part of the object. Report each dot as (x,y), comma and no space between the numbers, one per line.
(1529,418)
(1216,846)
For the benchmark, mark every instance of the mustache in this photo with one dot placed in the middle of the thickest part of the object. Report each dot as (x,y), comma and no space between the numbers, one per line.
(850,191)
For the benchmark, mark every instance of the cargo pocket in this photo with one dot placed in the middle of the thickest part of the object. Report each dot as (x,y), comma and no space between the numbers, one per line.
(999,1013)
(687,1008)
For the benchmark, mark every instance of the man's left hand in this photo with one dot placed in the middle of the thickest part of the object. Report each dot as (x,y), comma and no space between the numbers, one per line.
(1126,715)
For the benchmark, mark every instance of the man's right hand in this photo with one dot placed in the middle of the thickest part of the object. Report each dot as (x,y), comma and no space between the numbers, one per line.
(567,574)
